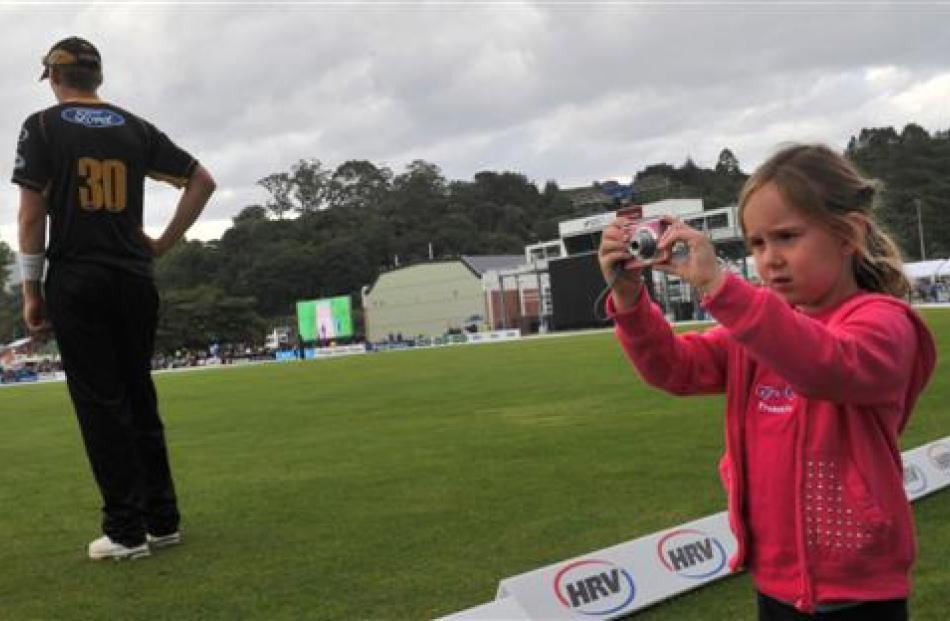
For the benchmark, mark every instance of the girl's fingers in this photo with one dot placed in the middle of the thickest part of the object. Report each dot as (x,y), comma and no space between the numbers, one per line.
(613,251)
(677,232)
(613,258)
(671,234)
(614,232)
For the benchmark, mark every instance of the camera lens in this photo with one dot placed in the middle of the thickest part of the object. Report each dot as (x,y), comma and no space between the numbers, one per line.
(643,244)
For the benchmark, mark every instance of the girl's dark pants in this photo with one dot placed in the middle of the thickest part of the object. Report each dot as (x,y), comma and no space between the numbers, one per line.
(885,610)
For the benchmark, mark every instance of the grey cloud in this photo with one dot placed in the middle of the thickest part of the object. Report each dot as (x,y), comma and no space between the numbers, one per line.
(572,93)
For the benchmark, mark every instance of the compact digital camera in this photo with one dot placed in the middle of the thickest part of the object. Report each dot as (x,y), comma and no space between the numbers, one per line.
(644,245)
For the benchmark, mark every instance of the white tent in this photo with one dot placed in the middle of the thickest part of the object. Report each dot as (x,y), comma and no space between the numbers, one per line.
(927,269)
(15,344)
(930,270)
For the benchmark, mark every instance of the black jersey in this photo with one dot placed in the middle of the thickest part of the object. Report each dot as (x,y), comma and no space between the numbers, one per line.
(90,160)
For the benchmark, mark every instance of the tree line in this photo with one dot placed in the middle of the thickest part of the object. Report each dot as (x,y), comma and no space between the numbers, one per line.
(914,168)
(328,231)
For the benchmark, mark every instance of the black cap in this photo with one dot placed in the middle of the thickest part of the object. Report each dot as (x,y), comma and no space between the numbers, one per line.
(73,51)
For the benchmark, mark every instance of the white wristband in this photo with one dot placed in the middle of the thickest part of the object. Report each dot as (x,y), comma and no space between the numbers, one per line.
(31,266)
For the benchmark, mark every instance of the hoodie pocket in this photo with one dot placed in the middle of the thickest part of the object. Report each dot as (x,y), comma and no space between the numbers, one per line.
(842,519)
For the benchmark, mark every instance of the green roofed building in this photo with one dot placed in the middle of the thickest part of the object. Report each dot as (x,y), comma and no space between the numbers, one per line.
(431,299)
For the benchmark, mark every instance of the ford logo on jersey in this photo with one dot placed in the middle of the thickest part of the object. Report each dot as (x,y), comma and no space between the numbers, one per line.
(93,117)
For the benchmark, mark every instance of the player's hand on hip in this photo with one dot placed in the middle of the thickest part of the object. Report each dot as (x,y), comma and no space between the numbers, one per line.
(154,246)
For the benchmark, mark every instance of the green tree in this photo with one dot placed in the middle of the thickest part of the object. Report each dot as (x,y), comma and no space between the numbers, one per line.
(188,264)
(311,185)
(358,184)
(244,244)
(279,275)
(11,325)
(727,163)
(914,168)
(197,317)
(913,132)
(7,263)
(280,186)
(417,203)
(251,213)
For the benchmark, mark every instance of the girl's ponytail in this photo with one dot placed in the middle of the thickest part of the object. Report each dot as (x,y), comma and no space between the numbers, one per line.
(878,266)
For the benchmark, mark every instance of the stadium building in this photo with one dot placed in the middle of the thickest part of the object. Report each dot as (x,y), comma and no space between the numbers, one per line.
(431,299)
(555,285)
(559,282)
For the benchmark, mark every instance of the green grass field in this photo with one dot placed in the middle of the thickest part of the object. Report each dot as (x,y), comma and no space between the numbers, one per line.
(402,485)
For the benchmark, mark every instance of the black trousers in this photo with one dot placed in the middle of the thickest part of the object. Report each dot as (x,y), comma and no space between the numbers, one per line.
(886,610)
(105,321)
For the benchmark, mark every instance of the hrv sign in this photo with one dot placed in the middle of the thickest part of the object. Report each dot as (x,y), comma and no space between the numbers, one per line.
(624,578)
(616,581)
(691,553)
(594,587)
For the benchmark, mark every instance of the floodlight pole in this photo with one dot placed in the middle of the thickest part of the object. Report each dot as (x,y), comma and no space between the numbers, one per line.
(920,231)
(504,305)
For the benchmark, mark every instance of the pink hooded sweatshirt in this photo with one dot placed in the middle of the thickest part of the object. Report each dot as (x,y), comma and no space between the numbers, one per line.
(814,408)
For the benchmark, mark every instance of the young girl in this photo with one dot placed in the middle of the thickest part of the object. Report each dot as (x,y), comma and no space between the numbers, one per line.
(821,367)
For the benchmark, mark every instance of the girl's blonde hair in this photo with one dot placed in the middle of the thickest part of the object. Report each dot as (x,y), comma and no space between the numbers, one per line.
(827,187)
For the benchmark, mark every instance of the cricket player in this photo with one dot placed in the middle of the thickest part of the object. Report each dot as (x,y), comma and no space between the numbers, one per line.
(82,164)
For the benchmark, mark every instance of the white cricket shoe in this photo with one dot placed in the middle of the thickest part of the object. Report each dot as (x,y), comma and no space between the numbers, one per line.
(164,541)
(104,548)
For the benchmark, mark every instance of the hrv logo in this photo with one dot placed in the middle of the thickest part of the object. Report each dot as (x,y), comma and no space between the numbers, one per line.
(594,587)
(915,482)
(939,454)
(691,553)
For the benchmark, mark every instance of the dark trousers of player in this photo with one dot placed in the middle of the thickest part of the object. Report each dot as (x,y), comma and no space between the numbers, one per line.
(105,321)
(887,610)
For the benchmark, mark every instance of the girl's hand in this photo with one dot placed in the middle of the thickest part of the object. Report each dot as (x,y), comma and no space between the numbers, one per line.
(613,255)
(699,267)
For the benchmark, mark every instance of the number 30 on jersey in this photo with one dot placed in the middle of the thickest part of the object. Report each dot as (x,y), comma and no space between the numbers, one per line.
(103,184)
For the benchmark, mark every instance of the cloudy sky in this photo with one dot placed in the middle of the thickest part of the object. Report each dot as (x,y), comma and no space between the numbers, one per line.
(570,91)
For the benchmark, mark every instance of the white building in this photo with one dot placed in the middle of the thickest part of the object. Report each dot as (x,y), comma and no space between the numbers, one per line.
(528,287)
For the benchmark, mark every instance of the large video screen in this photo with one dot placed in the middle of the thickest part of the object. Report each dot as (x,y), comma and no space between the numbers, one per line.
(576,282)
(325,319)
